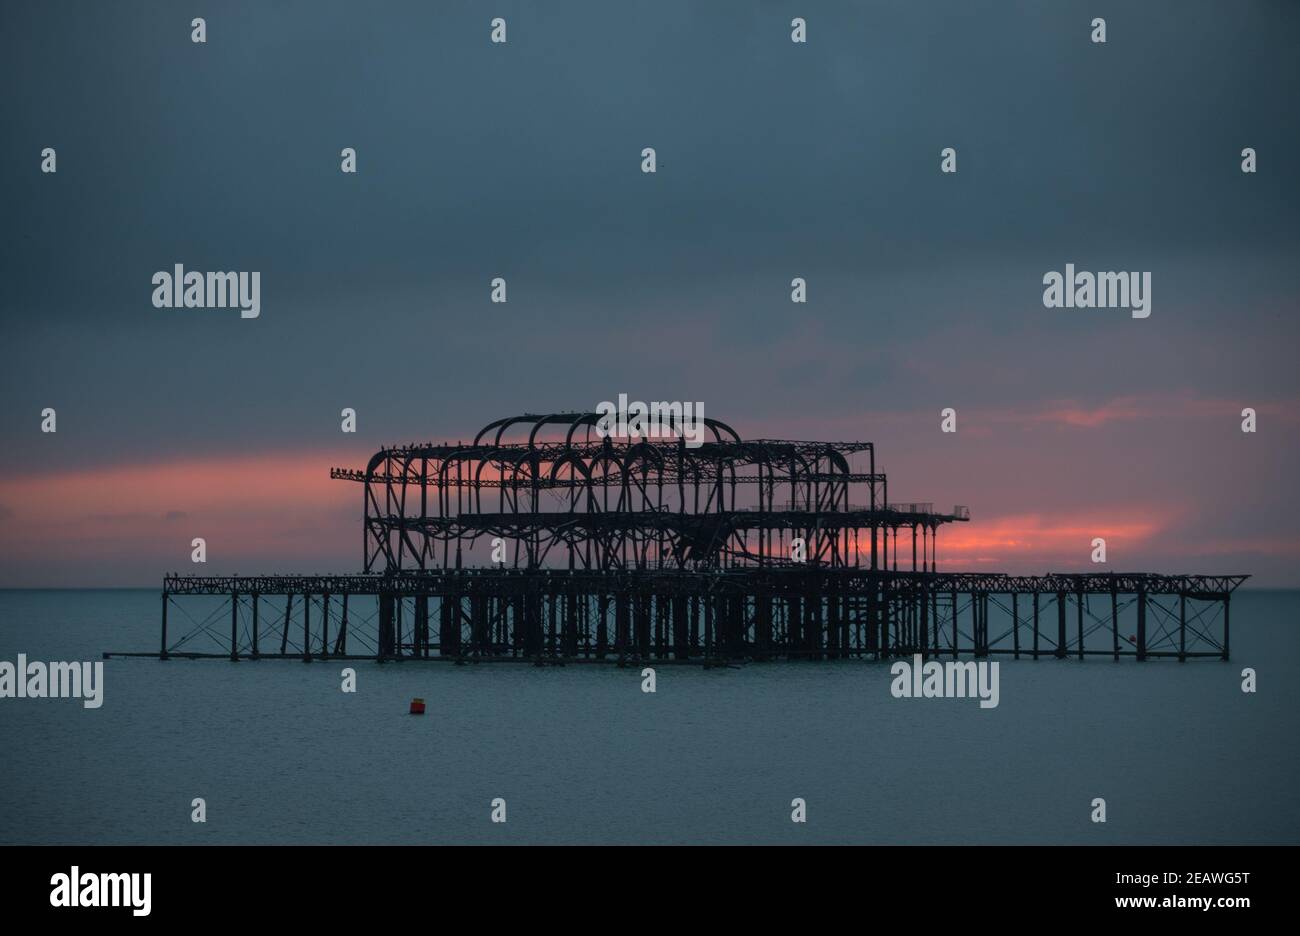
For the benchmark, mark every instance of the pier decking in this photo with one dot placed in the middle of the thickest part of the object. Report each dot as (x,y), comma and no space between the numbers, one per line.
(812,614)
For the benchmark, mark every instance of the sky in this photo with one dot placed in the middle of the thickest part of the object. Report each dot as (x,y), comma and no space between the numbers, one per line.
(775,160)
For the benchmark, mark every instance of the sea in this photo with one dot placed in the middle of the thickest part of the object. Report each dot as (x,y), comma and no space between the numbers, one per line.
(579,754)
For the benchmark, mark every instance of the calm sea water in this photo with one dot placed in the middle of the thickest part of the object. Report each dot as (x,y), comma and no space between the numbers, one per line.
(580,754)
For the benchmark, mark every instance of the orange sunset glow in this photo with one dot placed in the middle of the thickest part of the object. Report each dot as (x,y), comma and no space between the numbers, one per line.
(282,510)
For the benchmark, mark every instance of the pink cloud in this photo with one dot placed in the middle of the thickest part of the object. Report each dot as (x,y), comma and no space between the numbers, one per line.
(264,504)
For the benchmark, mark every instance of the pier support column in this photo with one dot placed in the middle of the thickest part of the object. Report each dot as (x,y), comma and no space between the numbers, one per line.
(793,627)
(934,616)
(886,608)
(1015,624)
(284,631)
(533,624)
(1142,625)
(873,623)
(681,636)
(325,625)
(1226,597)
(449,625)
(1079,597)
(399,606)
(1035,625)
(1060,625)
(736,626)
(622,623)
(1182,627)
(602,627)
(661,626)
(421,640)
(695,622)
(519,629)
(641,624)
(256,651)
(833,647)
(984,624)
(955,635)
(341,642)
(812,628)
(480,628)
(234,627)
(1114,617)
(385,648)
(924,598)
(569,625)
(554,622)
(306,628)
(162,646)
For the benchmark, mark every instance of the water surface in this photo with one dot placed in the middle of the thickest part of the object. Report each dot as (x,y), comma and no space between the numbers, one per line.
(580,754)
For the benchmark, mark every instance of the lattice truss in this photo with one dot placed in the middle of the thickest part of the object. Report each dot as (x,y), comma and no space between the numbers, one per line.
(565,496)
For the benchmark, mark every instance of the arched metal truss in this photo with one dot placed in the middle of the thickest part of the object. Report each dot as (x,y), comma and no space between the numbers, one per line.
(572,499)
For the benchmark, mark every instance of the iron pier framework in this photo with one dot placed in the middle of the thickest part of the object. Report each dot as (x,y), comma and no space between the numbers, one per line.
(569,545)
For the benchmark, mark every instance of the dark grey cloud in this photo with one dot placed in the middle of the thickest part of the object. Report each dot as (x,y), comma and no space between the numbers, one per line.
(522,161)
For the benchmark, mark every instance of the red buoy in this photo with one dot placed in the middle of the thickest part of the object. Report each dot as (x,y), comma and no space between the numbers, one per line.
(417,706)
